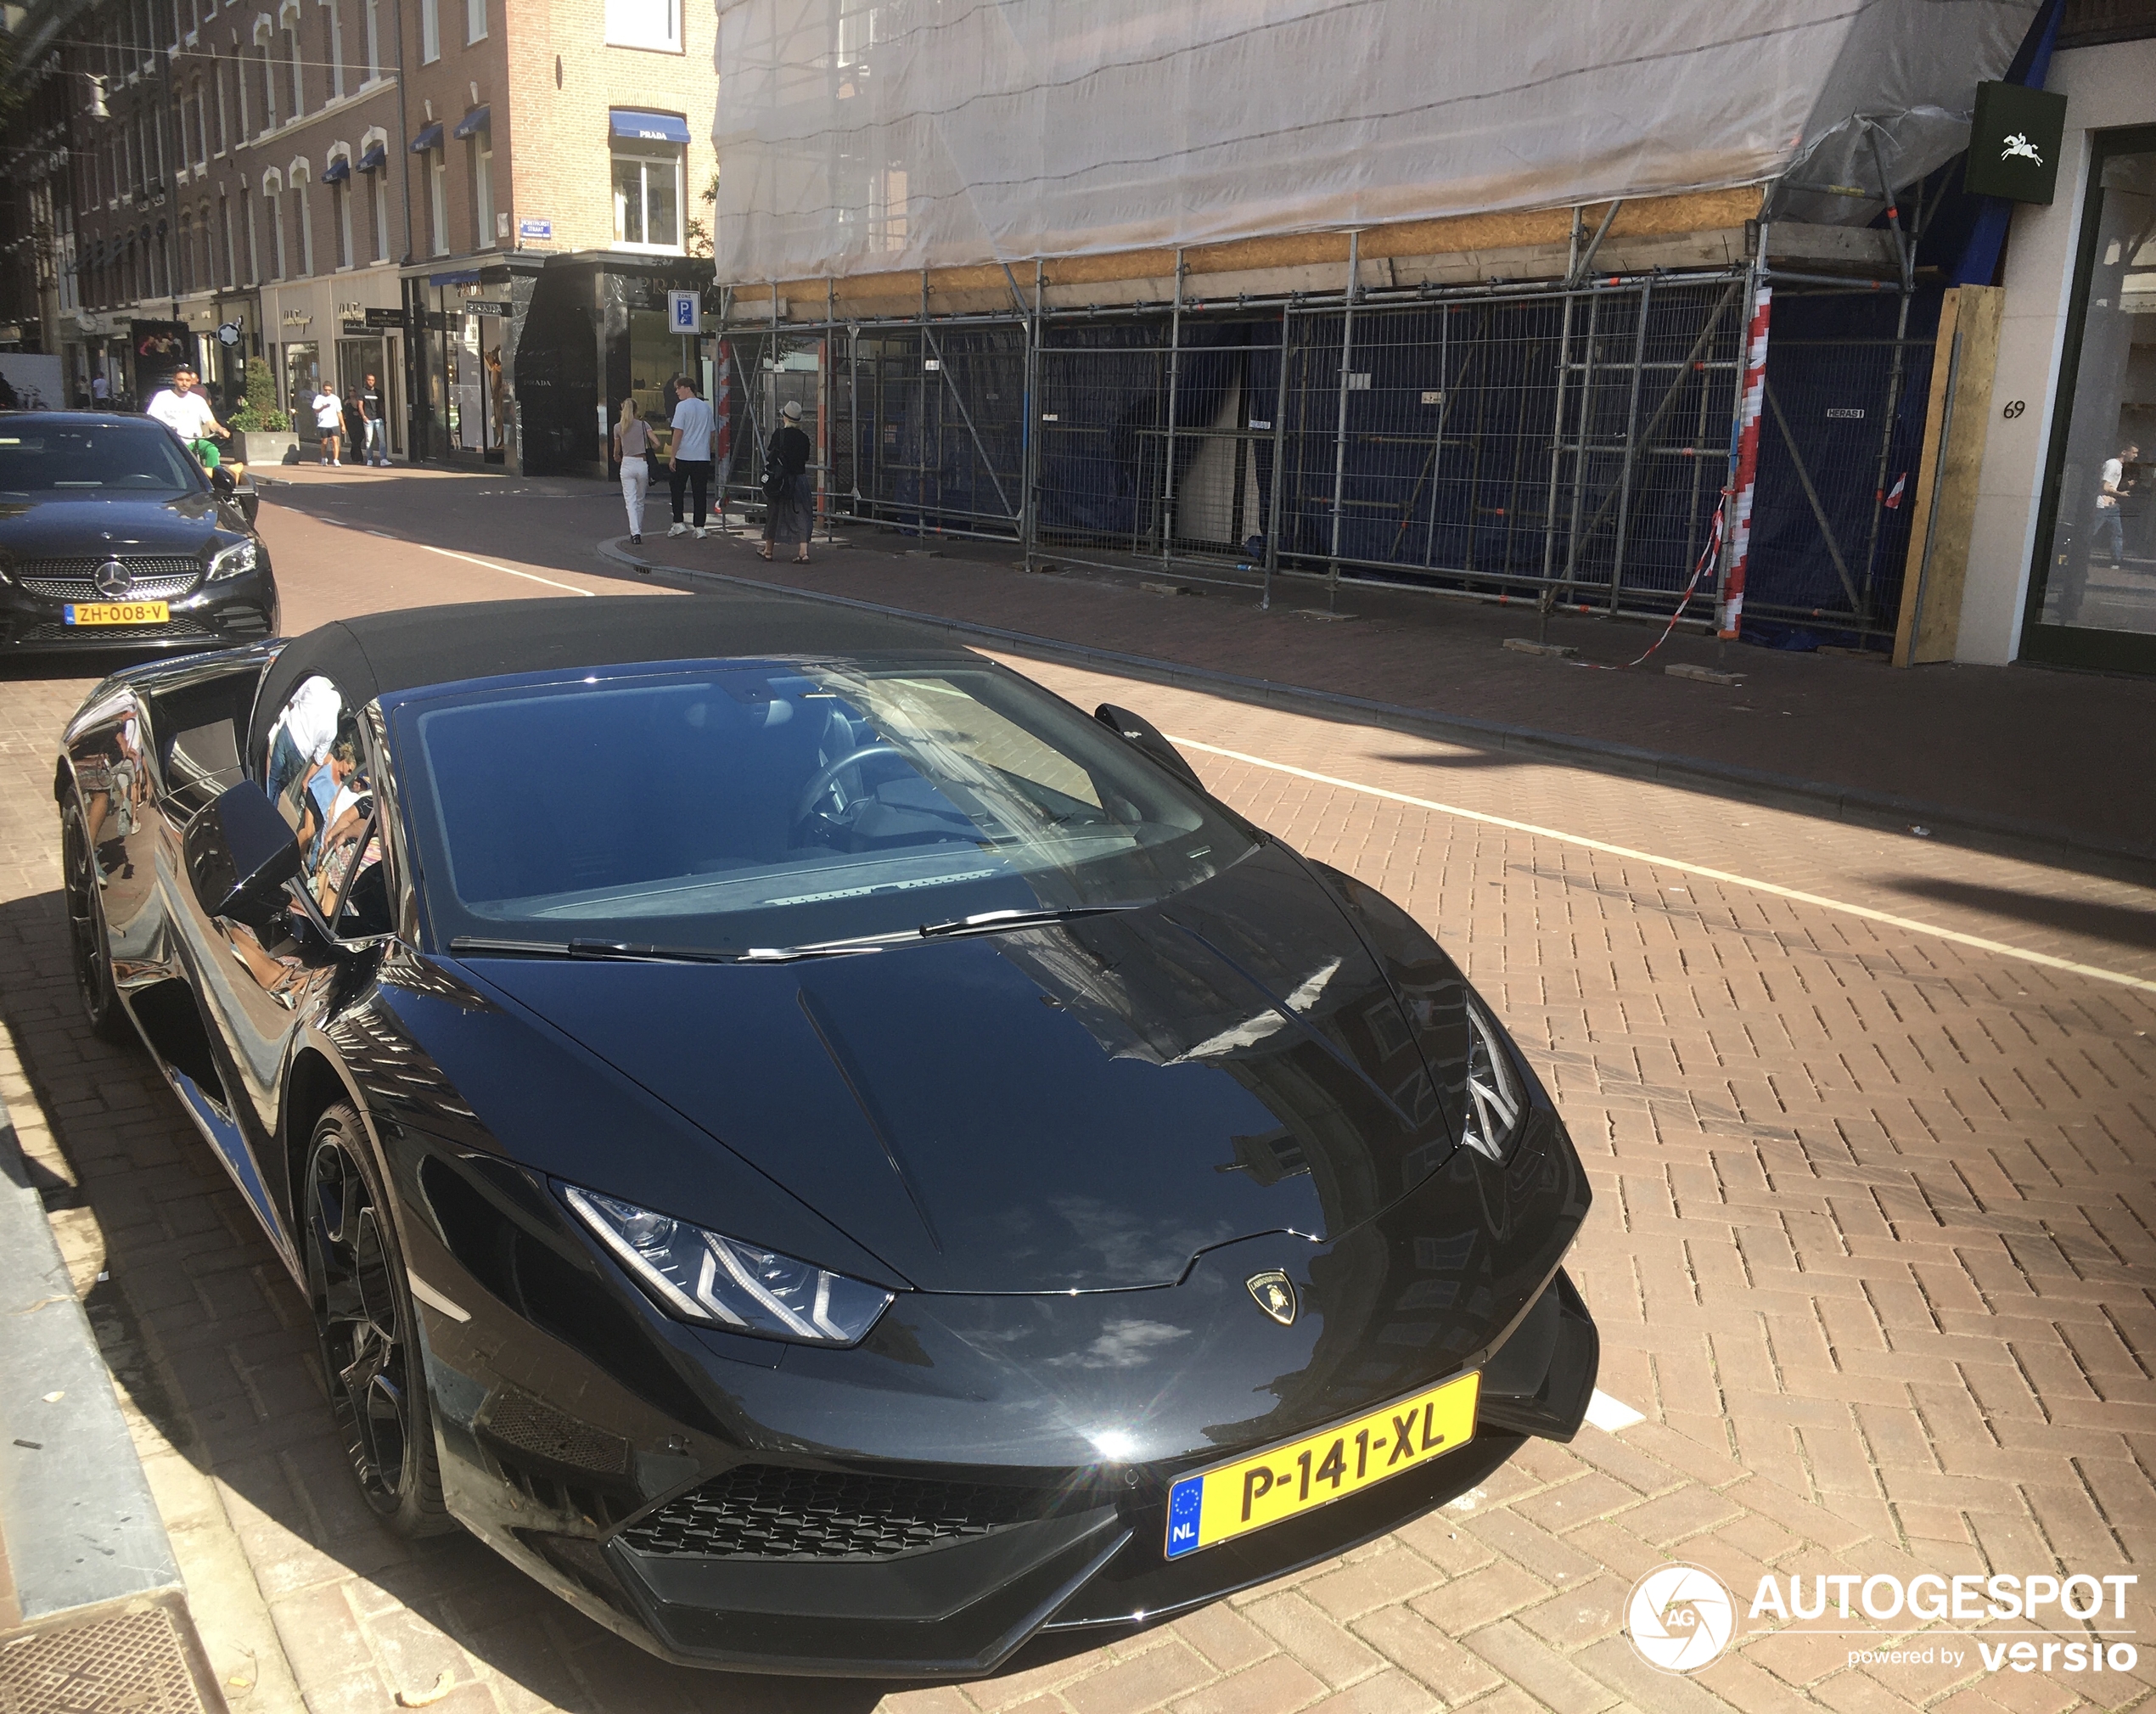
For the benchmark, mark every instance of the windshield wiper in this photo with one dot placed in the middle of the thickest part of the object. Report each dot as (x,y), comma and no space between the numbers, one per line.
(635,954)
(992,922)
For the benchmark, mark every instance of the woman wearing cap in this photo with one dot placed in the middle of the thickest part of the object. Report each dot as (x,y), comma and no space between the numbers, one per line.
(789,513)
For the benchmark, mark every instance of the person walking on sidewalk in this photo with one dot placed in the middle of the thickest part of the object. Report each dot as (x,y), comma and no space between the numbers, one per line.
(633,453)
(329,421)
(688,457)
(375,448)
(789,512)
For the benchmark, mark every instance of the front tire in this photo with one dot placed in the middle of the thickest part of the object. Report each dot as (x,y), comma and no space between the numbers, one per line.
(367,1328)
(89,944)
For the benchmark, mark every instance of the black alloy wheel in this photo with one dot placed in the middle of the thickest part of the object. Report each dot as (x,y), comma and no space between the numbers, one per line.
(89,950)
(364,1318)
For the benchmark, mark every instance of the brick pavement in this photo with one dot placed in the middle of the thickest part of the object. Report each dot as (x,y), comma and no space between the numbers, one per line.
(1870,1250)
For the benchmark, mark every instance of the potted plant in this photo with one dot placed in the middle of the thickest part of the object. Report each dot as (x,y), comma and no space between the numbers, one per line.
(261,434)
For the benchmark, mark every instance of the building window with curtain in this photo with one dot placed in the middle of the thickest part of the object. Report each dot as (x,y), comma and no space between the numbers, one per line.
(474,20)
(339,179)
(655,24)
(429,30)
(647,155)
(374,164)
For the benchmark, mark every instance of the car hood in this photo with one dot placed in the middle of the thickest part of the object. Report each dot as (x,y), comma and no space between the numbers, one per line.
(1077,1107)
(49,527)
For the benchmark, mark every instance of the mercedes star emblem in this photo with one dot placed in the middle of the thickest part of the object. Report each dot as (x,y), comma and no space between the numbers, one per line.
(114,580)
(1276,1296)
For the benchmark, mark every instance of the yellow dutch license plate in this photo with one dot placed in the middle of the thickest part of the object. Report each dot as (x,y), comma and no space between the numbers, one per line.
(1229,1500)
(118,613)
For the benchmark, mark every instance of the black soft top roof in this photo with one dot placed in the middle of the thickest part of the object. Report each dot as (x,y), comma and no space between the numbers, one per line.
(370,656)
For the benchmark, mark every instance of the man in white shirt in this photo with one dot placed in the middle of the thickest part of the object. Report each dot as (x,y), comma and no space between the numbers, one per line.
(329,421)
(2111,489)
(187,414)
(688,455)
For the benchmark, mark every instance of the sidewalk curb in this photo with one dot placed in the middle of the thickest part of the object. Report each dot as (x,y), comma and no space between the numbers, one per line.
(82,1528)
(1887,811)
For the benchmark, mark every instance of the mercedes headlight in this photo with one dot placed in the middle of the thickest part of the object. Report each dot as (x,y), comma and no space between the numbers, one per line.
(721,1281)
(232,561)
(1496,1100)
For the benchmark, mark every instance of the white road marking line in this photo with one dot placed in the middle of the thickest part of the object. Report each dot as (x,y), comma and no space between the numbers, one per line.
(449,1307)
(2024,954)
(1611,1415)
(529,576)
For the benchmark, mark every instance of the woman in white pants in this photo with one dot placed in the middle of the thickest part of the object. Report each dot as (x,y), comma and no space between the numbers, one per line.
(632,451)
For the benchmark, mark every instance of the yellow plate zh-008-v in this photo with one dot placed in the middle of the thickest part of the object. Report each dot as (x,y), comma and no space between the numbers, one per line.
(1229,1500)
(118,613)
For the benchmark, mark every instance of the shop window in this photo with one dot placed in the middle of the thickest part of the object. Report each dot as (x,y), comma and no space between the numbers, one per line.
(645,23)
(2093,598)
(647,201)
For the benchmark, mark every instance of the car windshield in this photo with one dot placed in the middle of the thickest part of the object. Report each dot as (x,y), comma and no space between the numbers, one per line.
(748,806)
(95,460)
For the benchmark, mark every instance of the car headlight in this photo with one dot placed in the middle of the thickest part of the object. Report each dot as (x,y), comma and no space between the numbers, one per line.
(1496,1101)
(232,561)
(721,1281)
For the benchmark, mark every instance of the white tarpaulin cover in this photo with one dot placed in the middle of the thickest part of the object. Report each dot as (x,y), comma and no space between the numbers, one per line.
(857,137)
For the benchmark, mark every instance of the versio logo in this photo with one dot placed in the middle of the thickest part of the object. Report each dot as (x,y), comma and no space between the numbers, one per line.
(1680,1618)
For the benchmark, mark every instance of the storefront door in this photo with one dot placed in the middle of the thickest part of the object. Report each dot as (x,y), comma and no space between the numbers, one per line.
(2093,598)
(357,359)
(302,379)
(477,398)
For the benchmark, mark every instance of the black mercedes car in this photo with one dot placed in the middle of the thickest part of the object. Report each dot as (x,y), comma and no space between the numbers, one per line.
(112,537)
(816,1150)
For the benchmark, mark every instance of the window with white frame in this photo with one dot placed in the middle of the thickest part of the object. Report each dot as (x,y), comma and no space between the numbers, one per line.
(341,211)
(483,189)
(274,191)
(438,194)
(269,87)
(336,49)
(306,227)
(645,23)
(647,199)
(429,30)
(253,249)
(298,76)
(373,39)
(474,20)
(378,180)
(224,226)
(224,121)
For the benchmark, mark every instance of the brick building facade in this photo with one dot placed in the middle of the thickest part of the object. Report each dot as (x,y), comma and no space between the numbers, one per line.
(347,187)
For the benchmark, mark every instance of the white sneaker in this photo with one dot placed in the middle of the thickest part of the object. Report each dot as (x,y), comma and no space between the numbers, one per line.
(699,532)
(678,529)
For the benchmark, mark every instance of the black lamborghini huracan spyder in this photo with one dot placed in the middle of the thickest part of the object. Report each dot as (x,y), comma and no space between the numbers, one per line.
(816,1150)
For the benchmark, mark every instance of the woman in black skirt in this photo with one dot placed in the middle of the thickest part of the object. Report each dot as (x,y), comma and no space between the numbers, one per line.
(789,515)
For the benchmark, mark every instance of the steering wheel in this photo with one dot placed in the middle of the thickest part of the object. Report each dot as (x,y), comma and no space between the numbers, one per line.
(829,773)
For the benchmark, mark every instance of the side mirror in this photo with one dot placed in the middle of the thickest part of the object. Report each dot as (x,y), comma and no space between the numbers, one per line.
(239,855)
(1144,735)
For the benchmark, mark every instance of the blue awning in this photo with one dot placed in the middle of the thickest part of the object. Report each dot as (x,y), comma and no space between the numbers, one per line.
(477,119)
(340,170)
(375,158)
(648,127)
(427,139)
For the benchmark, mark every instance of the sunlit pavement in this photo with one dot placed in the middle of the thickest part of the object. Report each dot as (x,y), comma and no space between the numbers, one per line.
(1872,1125)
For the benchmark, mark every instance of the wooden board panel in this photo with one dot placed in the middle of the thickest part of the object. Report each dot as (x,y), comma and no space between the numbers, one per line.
(1955,428)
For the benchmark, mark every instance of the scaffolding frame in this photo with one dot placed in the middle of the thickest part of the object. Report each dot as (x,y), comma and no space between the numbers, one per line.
(1573,461)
